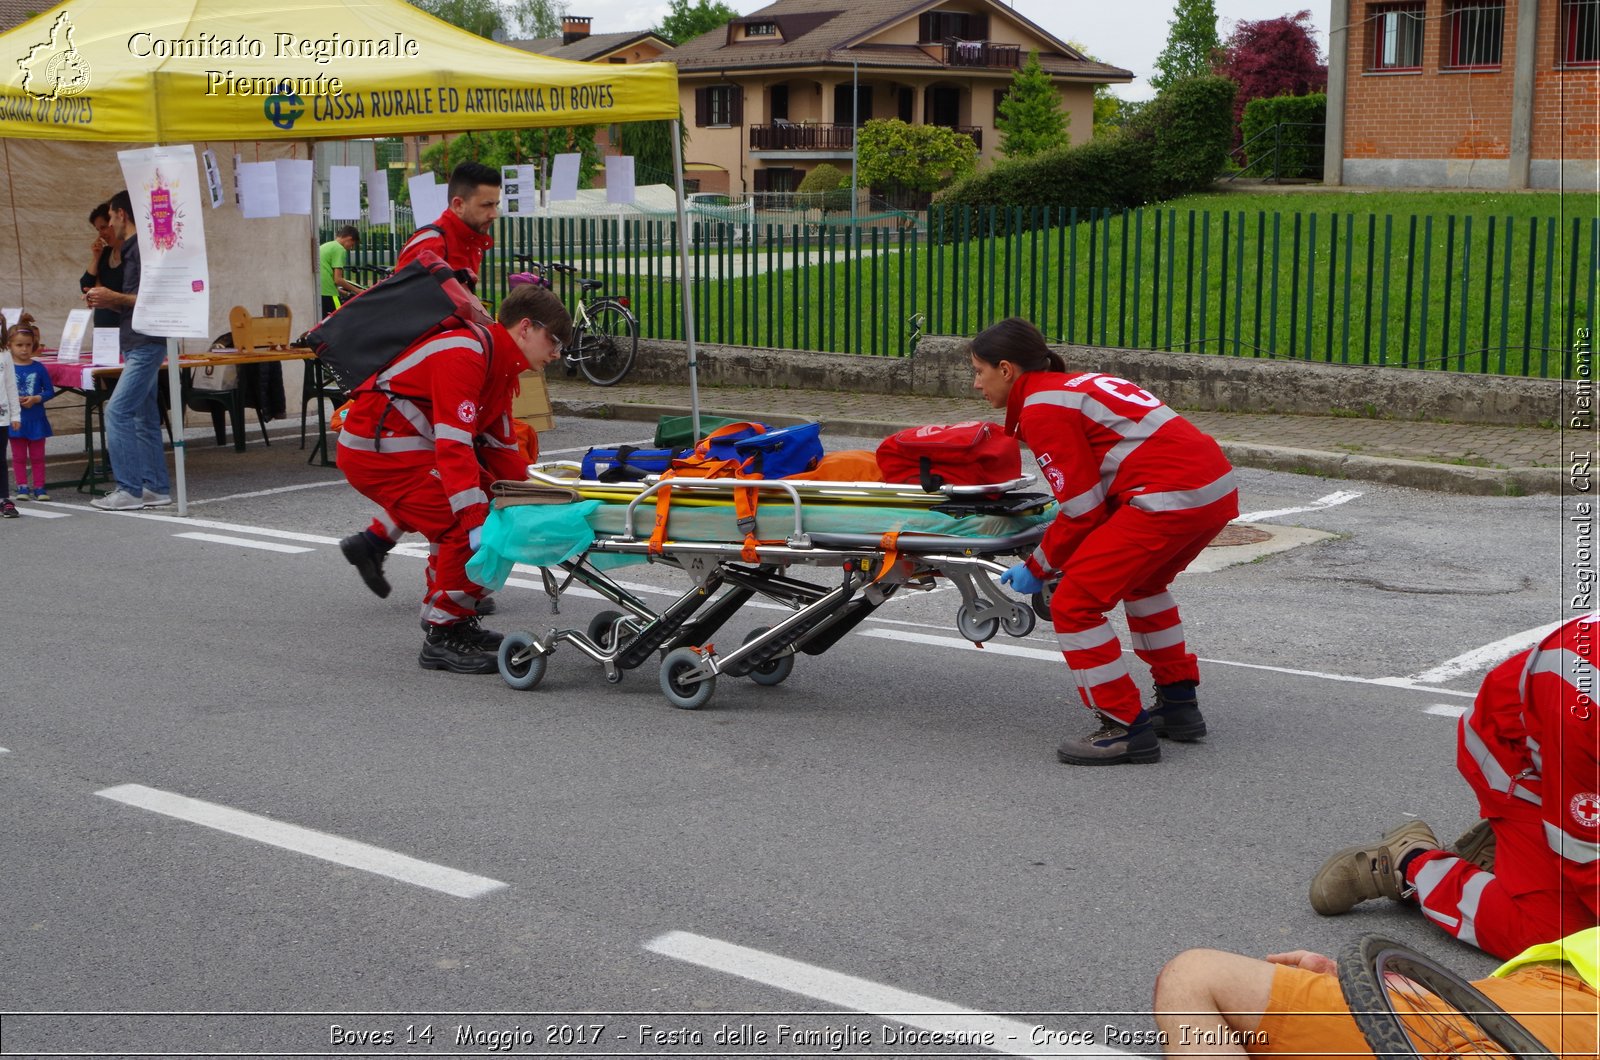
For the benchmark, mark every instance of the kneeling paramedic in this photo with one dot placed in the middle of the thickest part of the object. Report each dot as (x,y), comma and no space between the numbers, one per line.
(427,435)
(1141,492)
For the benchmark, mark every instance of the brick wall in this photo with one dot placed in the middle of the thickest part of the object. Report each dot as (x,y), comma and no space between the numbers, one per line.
(1452,115)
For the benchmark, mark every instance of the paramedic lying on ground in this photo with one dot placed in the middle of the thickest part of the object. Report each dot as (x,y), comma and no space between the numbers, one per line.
(1141,493)
(1530,750)
(1211,1003)
(418,457)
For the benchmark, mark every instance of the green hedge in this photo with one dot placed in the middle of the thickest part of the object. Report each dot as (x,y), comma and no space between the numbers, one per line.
(1177,144)
(1298,146)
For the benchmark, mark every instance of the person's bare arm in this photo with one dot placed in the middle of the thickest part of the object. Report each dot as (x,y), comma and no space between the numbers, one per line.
(106,298)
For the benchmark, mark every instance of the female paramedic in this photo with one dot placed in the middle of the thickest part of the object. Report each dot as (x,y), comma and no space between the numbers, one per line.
(1141,492)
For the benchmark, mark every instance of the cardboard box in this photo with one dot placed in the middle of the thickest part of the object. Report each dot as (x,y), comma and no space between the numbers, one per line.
(532,406)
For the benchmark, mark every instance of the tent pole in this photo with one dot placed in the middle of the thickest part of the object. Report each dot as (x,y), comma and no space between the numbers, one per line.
(175,394)
(687,290)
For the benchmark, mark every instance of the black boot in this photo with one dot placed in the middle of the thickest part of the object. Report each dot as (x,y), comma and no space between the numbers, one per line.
(469,629)
(367,558)
(1113,743)
(1175,713)
(457,648)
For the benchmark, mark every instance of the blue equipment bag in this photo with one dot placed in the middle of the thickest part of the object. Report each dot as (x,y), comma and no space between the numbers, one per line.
(782,452)
(626,463)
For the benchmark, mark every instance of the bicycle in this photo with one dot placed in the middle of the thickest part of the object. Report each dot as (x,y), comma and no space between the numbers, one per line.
(605,333)
(1408,1006)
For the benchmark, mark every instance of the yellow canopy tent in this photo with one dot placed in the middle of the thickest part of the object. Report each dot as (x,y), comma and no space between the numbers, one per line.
(257,70)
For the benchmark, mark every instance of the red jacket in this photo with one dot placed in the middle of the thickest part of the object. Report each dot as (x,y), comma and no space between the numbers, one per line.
(1103,442)
(443,407)
(1533,736)
(461,247)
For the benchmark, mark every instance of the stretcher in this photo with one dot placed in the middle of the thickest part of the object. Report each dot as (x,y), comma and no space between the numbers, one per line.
(864,541)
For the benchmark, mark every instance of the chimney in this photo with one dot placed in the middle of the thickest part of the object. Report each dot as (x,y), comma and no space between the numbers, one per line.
(574,29)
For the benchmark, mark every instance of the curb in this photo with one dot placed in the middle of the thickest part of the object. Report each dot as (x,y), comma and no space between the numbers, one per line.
(1415,474)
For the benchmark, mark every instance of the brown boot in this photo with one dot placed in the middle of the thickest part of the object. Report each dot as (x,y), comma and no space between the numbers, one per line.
(1477,846)
(1356,874)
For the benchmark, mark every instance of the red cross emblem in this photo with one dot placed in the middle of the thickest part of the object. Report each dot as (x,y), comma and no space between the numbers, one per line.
(1586,809)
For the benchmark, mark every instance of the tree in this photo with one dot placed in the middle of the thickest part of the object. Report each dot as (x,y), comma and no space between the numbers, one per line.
(1107,107)
(507,147)
(1273,57)
(484,17)
(1192,44)
(1030,118)
(920,158)
(688,19)
(538,18)
(650,144)
(826,187)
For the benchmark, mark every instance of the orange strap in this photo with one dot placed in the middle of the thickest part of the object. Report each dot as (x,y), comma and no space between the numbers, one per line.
(890,543)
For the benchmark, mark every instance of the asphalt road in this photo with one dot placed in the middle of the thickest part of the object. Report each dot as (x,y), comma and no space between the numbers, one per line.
(892,817)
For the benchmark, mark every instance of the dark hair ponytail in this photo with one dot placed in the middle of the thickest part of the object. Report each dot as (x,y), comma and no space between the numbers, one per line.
(1018,341)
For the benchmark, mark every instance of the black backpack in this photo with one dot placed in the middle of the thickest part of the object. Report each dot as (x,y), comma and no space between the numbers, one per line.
(372,328)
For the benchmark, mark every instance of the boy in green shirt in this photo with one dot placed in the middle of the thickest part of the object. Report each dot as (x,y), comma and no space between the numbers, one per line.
(334,256)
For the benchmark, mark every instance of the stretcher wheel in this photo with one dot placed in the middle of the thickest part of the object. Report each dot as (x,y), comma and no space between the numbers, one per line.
(773,671)
(1041,604)
(683,695)
(1019,623)
(521,673)
(971,628)
(600,627)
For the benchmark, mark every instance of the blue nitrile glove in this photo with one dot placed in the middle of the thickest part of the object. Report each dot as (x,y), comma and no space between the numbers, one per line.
(474,537)
(1022,581)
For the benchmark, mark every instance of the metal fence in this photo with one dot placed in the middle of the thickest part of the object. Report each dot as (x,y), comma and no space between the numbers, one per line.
(1505,295)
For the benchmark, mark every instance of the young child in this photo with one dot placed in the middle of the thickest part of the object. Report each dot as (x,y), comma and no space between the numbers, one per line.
(10,412)
(1141,492)
(30,427)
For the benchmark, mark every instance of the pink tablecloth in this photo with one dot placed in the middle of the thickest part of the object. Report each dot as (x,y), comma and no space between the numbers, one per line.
(79,375)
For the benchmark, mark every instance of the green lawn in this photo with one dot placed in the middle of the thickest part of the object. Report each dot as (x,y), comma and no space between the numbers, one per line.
(1467,281)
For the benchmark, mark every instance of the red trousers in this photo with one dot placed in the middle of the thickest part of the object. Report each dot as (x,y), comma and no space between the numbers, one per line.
(1131,559)
(405,487)
(1523,902)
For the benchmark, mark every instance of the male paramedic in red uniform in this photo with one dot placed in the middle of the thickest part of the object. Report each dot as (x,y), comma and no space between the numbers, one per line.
(1141,491)
(460,235)
(1530,749)
(427,435)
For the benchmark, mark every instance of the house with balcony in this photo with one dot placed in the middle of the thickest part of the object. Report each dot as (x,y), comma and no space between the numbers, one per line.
(1464,93)
(781,90)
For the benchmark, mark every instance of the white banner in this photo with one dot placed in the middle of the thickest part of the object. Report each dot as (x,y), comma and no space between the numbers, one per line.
(174,277)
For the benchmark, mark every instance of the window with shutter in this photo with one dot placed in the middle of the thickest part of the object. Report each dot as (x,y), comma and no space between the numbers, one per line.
(702,106)
(999,98)
(760,180)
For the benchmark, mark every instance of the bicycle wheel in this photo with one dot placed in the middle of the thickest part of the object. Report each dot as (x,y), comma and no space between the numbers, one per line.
(1409,1007)
(607,347)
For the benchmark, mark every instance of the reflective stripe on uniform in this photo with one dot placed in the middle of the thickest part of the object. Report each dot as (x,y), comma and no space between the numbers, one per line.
(489,441)
(1164,638)
(454,434)
(1085,502)
(1139,432)
(1570,847)
(1183,500)
(1149,605)
(422,236)
(467,498)
(1099,675)
(1494,774)
(1043,561)
(405,443)
(1087,639)
(426,350)
(1470,894)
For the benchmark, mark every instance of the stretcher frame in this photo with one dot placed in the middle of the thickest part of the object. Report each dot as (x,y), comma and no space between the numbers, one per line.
(724,577)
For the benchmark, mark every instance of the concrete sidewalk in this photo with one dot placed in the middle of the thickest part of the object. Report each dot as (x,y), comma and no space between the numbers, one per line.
(1449,457)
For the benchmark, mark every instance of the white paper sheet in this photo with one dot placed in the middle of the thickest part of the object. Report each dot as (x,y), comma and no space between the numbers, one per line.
(379,211)
(71,345)
(619,178)
(294,185)
(213,178)
(107,347)
(428,198)
(519,190)
(258,189)
(174,276)
(11,314)
(564,178)
(344,193)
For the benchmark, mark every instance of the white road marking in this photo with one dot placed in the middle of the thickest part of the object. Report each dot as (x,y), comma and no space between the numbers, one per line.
(244,542)
(1001,648)
(39,513)
(1446,710)
(1012,1037)
(347,852)
(4,751)
(1486,656)
(268,493)
(209,524)
(1340,497)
